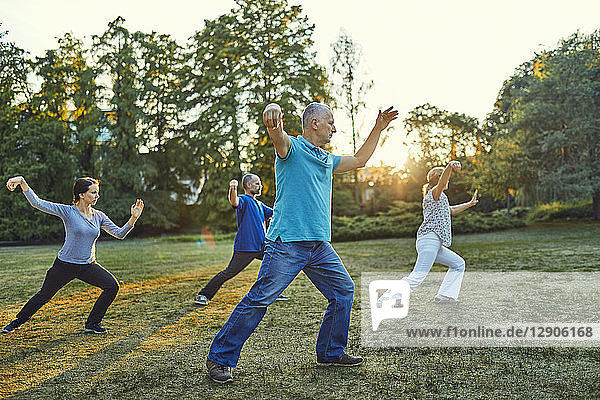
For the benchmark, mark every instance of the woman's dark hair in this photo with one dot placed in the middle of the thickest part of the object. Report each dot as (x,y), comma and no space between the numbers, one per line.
(81,186)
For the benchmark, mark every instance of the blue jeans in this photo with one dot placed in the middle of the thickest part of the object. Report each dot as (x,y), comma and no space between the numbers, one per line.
(281,264)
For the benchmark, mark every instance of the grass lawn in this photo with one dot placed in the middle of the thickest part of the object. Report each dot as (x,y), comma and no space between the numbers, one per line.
(159,339)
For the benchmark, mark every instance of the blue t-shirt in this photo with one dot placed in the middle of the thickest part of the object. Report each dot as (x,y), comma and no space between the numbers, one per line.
(251,217)
(302,209)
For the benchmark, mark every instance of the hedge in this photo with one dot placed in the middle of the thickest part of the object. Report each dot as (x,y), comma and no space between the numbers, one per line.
(404,219)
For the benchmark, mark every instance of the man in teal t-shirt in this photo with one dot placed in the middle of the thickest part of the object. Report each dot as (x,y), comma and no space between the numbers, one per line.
(298,238)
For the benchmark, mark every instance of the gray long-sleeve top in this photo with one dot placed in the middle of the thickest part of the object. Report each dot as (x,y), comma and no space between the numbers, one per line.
(81,233)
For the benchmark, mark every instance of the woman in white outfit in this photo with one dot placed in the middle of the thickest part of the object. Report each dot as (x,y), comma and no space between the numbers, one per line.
(435,235)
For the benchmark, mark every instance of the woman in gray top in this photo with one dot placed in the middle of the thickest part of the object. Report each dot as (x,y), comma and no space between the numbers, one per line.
(77,257)
(435,235)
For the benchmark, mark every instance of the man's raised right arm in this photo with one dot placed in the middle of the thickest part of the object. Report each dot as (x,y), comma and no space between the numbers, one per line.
(273,119)
(232,195)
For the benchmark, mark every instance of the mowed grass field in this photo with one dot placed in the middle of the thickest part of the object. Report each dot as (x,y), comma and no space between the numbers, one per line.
(159,339)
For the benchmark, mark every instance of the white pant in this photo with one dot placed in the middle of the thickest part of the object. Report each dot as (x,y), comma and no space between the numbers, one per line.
(430,250)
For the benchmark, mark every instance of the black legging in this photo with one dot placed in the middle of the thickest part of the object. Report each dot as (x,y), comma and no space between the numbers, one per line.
(62,273)
(239,261)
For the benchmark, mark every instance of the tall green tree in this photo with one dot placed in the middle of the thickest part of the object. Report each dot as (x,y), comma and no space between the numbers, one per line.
(161,67)
(351,86)
(214,137)
(33,143)
(280,67)
(442,135)
(257,53)
(550,109)
(69,93)
(120,166)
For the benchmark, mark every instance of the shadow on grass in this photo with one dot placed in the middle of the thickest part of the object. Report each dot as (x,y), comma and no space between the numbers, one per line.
(43,367)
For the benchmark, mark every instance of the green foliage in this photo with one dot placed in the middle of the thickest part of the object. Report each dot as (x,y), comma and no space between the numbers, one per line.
(403,207)
(35,144)
(545,126)
(562,211)
(256,54)
(38,146)
(484,222)
(443,135)
(403,220)
(515,212)
(343,204)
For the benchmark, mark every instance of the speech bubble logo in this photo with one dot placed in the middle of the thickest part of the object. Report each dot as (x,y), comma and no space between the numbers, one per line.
(389,299)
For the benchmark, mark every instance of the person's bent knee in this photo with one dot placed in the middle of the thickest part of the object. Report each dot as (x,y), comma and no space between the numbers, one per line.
(346,292)
(113,287)
(460,266)
(258,302)
(347,289)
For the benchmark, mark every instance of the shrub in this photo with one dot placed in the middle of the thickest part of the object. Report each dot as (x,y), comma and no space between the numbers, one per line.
(403,207)
(199,238)
(406,224)
(562,211)
(517,212)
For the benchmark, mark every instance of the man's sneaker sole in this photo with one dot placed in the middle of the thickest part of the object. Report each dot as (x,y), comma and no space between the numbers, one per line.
(87,330)
(445,300)
(218,381)
(336,364)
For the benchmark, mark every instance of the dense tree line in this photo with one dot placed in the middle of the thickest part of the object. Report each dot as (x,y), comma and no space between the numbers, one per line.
(173,123)
(152,118)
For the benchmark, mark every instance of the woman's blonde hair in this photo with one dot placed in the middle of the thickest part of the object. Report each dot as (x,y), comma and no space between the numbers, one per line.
(433,177)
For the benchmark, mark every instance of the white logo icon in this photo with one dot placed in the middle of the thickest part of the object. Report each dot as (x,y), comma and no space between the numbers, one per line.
(389,299)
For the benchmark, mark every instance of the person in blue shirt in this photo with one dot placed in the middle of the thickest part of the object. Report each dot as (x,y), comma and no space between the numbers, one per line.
(298,238)
(77,258)
(252,216)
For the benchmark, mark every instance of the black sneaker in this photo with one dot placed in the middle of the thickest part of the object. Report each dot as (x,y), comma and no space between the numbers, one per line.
(12,326)
(218,373)
(344,361)
(201,300)
(94,328)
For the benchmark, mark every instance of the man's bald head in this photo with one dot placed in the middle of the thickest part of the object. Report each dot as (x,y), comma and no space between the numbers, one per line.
(314,111)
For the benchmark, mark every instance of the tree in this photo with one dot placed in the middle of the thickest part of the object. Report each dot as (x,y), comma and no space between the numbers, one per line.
(214,136)
(442,135)
(160,72)
(550,110)
(120,163)
(345,64)
(69,94)
(33,143)
(243,60)
(279,67)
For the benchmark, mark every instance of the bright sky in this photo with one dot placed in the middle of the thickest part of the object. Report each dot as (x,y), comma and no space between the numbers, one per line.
(454,54)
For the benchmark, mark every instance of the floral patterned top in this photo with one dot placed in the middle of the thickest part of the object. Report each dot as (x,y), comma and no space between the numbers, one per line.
(436,218)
